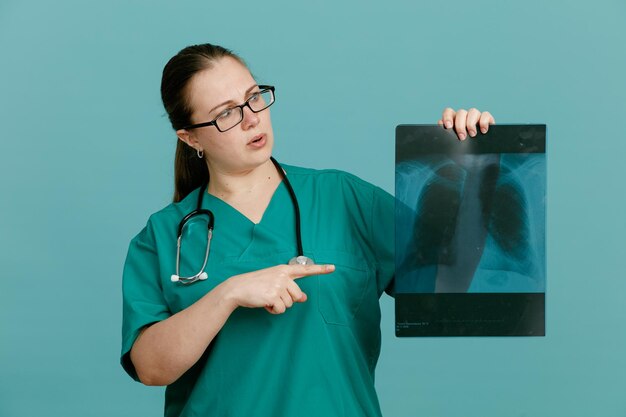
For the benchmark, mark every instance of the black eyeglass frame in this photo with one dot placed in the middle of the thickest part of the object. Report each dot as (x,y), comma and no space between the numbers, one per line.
(263,89)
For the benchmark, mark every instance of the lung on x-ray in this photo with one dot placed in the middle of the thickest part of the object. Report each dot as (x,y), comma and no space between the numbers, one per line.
(470,232)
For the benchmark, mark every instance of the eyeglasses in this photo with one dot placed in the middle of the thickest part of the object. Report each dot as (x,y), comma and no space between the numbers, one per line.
(232,116)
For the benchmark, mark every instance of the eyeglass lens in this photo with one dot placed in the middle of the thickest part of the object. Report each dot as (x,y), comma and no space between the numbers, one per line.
(231,117)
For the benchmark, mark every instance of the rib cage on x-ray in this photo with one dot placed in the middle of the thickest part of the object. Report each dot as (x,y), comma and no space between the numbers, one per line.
(472,224)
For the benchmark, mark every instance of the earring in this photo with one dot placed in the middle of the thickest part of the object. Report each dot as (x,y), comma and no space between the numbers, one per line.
(200,153)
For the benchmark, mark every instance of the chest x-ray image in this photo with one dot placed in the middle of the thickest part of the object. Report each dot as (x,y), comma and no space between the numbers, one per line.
(470,232)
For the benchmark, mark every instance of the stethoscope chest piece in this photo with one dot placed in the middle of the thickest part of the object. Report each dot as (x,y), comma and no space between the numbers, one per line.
(301,260)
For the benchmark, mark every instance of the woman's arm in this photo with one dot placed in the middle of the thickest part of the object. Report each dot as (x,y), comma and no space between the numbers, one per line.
(164,351)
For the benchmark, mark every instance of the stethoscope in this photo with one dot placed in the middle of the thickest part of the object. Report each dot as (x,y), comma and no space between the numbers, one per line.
(300,259)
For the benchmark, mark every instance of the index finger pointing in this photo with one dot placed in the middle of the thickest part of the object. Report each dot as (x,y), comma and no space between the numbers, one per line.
(300,271)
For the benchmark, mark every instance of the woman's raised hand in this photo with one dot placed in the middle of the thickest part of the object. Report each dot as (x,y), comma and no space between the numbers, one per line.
(466,121)
(273,288)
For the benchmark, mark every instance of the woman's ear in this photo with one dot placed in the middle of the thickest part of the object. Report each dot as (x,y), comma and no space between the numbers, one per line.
(185,136)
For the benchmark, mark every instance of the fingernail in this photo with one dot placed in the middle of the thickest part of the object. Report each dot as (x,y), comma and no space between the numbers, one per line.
(448,124)
(484,130)
(462,136)
(472,133)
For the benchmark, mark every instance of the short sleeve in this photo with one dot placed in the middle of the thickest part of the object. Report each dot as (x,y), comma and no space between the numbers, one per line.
(382,229)
(143,301)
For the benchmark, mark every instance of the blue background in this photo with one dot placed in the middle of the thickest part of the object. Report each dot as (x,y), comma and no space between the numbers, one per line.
(86,155)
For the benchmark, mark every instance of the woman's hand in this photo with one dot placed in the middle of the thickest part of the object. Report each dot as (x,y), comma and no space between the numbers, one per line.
(465,122)
(273,288)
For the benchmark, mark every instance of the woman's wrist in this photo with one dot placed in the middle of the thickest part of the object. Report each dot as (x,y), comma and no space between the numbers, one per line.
(226,294)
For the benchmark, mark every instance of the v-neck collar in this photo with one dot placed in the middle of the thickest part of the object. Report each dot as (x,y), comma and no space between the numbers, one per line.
(212,202)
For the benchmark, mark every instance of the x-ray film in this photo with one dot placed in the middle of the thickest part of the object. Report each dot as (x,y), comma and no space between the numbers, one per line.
(470,232)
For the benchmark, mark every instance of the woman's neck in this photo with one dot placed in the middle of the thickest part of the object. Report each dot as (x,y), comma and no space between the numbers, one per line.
(232,185)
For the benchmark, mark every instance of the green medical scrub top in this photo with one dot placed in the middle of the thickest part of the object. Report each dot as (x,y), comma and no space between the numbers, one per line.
(316,359)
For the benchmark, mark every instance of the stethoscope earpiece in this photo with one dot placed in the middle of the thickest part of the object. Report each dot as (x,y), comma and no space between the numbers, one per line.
(202,275)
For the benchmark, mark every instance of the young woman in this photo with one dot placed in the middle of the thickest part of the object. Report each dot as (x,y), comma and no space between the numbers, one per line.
(239,321)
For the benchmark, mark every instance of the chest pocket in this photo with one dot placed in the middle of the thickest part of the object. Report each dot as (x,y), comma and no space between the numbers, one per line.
(341,293)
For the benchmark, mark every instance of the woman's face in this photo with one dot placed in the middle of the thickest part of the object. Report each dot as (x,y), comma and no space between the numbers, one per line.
(249,144)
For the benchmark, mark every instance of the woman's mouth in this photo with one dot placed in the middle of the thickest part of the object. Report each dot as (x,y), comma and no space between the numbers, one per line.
(258,141)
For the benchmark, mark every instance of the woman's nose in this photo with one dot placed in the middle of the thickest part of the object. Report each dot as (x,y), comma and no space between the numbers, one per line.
(250,118)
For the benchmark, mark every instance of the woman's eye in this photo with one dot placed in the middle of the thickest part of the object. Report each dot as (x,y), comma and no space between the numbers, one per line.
(225,113)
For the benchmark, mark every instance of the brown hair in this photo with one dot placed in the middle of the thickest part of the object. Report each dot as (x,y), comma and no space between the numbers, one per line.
(190,172)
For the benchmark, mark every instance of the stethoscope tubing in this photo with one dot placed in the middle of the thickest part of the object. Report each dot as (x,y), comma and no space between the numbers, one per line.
(202,275)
